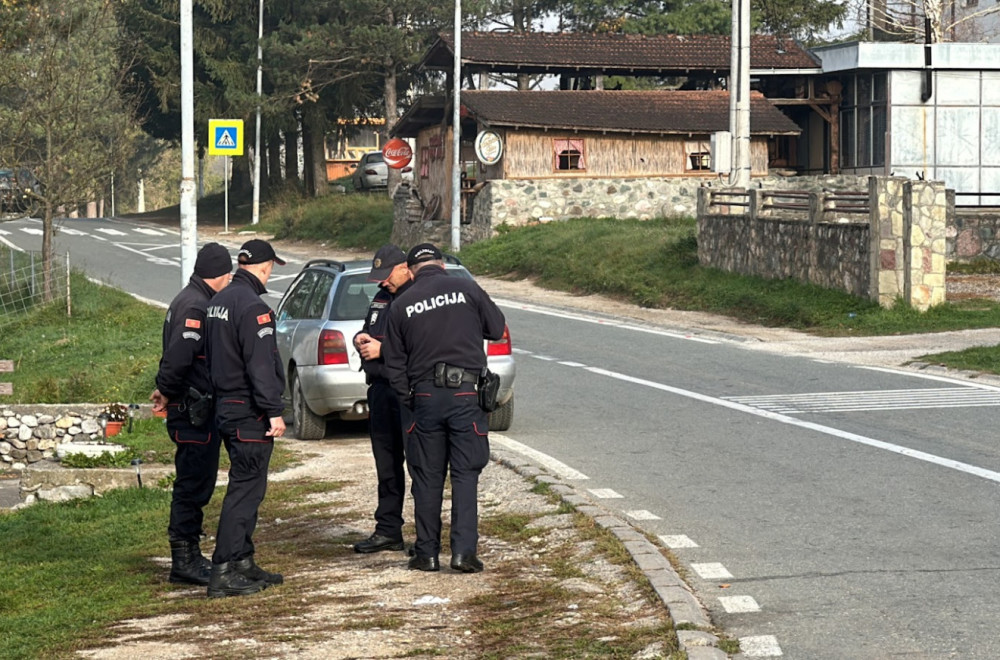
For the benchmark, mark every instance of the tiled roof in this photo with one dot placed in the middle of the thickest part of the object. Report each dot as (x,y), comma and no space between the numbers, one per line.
(623,111)
(614,54)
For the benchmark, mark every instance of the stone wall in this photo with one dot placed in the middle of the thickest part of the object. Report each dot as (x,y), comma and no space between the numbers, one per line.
(973,234)
(29,437)
(886,245)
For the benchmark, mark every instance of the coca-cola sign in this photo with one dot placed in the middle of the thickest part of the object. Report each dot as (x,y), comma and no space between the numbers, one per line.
(397,153)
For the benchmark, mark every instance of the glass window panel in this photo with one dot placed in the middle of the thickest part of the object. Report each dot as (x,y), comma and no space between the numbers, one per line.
(878,135)
(295,306)
(847,138)
(864,155)
(318,301)
(879,87)
(864,90)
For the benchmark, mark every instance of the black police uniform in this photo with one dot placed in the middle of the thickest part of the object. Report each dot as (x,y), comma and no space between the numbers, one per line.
(386,422)
(183,366)
(248,381)
(442,319)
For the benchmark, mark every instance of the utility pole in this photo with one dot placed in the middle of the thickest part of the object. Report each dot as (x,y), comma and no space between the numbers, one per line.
(456,138)
(739,95)
(255,216)
(189,205)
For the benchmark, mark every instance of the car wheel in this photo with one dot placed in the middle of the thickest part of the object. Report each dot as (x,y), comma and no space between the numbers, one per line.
(308,425)
(502,417)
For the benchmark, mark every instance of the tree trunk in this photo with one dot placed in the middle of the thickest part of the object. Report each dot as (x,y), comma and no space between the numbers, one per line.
(395,177)
(292,156)
(274,176)
(314,147)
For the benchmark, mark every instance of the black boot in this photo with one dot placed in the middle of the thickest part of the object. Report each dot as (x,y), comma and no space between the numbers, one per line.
(249,569)
(187,565)
(227,581)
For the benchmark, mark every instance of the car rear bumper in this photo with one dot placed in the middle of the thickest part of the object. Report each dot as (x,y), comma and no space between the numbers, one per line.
(331,389)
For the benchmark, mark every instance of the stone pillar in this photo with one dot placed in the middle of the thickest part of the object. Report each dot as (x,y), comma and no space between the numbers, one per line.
(888,236)
(927,208)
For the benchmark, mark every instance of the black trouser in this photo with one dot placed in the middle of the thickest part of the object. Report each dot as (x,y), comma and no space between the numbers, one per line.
(196,462)
(243,431)
(449,429)
(386,421)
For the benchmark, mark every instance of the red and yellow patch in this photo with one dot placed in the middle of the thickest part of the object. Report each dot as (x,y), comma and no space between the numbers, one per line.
(264,318)
(192,323)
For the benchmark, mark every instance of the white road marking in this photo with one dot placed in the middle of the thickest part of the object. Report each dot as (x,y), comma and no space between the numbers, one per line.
(34,231)
(110,232)
(711,571)
(572,364)
(819,428)
(557,468)
(760,646)
(642,514)
(673,541)
(597,321)
(739,604)
(869,400)
(604,493)
(10,245)
(4,233)
(70,232)
(148,232)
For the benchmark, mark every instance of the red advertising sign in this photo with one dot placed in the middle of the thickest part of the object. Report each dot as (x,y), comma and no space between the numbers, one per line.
(397,153)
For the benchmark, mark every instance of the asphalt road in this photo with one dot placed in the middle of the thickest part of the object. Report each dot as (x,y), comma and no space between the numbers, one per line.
(821,509)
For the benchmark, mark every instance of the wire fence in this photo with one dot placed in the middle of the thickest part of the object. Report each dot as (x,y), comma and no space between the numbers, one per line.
(23,284)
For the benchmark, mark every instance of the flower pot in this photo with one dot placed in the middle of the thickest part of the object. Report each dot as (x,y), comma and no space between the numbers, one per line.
(113,428)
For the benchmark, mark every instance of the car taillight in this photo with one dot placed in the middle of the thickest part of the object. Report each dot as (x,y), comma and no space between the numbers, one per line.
(407,169)
(500,346)
(332,348)
(371,172)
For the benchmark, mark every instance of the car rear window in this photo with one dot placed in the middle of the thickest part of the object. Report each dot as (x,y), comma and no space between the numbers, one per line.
(354,294)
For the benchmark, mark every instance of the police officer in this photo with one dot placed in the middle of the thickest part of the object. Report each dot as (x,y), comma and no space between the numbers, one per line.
(386,418)
(248,380)
(180,381)
(433,357)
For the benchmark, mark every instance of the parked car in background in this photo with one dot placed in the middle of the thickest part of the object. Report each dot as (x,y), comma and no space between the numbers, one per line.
(317,318)
(19,191)
(372,172)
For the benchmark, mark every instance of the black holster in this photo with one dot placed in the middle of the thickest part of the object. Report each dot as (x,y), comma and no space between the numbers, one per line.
(488,388)
(198,406)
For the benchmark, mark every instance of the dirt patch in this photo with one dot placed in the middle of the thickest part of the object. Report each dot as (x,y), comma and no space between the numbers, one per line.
(549,589)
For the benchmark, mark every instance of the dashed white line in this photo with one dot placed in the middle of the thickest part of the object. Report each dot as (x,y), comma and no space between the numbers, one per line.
(739,604)
(604,493)
(148,232)
(673,541)
(110,232)
(711,571)
(34,231)
(642,514)
(760,646)
(572,364)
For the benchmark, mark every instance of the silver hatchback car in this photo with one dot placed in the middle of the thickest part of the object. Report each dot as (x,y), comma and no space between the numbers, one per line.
(372,172)
(317,319)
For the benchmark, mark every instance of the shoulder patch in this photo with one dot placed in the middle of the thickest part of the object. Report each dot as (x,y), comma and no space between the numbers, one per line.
(192,323)
(264,318)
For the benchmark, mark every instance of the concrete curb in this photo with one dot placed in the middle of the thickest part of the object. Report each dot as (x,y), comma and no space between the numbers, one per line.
(679,599)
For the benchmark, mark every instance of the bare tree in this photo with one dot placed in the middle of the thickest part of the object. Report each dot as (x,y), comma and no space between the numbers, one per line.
(61,113)
(936,20)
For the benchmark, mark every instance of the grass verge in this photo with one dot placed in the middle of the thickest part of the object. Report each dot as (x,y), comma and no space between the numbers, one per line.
(108,351)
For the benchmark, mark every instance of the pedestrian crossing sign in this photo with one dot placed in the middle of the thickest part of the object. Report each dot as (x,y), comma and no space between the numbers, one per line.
(225,137)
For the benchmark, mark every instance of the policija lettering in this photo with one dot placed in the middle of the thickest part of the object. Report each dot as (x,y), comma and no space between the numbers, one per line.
(435,302)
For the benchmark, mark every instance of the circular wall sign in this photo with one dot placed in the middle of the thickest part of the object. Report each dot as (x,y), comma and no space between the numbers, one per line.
(397,153)
(489,147)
